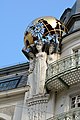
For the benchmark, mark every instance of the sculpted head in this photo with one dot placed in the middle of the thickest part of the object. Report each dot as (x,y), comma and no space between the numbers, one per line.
(31,55)
(39,45)
(51,48)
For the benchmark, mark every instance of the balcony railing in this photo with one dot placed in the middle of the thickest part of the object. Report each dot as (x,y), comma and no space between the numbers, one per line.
(63,65)
(73,114)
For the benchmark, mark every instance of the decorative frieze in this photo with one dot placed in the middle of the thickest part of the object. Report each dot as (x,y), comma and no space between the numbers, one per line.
(37,107)
(37,99)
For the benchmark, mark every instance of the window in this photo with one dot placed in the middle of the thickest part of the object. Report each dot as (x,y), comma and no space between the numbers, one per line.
(76,58)
(9,83)
(76,51)
(75,101)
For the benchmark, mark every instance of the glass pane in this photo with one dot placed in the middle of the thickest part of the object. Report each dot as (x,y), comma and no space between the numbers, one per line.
(12,84)
(78,104)
(73,102)
(8,85)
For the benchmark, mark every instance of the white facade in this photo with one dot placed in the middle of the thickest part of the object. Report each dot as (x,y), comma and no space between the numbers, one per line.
(61,99)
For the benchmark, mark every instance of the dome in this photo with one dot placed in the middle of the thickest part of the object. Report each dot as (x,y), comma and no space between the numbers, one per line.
(48,30)
(44,28)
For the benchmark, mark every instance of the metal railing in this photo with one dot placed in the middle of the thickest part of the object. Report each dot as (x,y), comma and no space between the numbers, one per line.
(63,65)
(73,114)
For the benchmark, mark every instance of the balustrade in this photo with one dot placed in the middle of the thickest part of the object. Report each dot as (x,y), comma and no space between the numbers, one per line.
(63,65)
(73,114)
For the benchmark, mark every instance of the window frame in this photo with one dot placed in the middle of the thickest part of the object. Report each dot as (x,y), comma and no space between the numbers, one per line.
(9,83)
(76,104)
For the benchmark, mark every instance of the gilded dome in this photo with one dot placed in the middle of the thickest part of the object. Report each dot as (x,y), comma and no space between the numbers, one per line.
(44,28)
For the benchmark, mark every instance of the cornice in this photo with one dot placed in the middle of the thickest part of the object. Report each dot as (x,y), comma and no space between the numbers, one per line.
(37,99)
(14,92)
(71,36)
(14,69)
(72,19)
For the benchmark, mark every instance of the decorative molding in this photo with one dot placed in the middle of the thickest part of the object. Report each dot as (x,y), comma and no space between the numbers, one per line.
(68,69)
(70,37)
(5,117)
(14,69)
(37,99)
(8,110)
(16,91)
(72,20)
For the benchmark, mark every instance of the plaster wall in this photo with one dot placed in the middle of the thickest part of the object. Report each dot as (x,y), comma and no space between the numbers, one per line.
(51,105)
(69,43)
(76,24)
(63,99)
(12,107)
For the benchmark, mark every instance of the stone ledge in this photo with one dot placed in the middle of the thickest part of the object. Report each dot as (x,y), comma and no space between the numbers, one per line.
(13,92)
(37,99)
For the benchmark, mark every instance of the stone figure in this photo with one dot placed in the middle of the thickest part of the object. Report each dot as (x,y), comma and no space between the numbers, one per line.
(30,72)
(53,54)
(29,53)
(40,68)
(31,56)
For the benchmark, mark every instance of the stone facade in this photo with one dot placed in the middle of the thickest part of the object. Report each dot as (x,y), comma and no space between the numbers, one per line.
(43,92)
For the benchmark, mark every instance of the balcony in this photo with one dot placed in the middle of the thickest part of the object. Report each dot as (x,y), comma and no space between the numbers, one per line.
(73,114)
(63,73)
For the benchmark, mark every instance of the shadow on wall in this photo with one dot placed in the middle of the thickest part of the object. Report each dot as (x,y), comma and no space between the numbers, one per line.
(4,117)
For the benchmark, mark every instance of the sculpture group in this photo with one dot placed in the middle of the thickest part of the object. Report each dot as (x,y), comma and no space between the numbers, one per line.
(42,41)
(40,55)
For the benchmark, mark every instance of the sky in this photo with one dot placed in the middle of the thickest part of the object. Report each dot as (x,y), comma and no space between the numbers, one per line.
(15,16)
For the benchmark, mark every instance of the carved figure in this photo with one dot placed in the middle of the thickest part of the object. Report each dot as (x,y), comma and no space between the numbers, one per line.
(31,56)
(53,54)
(40,68)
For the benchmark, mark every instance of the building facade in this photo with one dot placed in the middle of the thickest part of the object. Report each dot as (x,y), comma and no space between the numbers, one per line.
(22,98)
